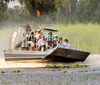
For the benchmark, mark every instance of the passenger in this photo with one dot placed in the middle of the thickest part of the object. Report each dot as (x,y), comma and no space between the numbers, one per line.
(27,34)
(38,34)
(54,43)
(32,41)
(60,43)
(24,45)
(56,38)
(42,43)
(66,44)
(32,37)
(49,42)
(50,35)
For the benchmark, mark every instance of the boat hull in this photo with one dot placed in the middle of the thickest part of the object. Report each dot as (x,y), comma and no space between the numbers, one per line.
(23,56)
(58,54)
(26,55)
(62,54)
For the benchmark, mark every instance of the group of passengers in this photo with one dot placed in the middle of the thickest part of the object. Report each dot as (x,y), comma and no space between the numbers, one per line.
(37,41)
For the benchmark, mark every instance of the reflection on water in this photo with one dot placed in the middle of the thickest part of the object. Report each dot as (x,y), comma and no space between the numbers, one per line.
(4,44)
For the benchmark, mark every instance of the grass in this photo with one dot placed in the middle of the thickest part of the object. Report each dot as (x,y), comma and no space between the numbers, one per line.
(81,36)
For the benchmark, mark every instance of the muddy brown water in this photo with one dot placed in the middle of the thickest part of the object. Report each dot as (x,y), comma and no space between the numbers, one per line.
(4,44)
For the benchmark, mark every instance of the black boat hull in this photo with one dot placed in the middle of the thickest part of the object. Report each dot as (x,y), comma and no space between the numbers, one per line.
(62,54)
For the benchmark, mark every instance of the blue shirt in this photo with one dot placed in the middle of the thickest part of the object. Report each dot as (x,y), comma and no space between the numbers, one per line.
(65,45)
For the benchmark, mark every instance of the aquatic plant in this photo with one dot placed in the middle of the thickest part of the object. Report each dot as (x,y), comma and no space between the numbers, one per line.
(66,66)
(67,72)
(49,70)
(16,71)
(2,72)
(84,71)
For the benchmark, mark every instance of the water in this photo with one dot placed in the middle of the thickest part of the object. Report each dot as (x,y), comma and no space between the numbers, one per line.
(4,44)
(4,41)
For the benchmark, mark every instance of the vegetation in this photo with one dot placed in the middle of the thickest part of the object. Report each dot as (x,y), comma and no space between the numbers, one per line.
(2,72)
(66,66)
(71,17)
(81,36)
(18,14)
(16,71)
(66,72)
(84,71)
(63,11)
(3,7)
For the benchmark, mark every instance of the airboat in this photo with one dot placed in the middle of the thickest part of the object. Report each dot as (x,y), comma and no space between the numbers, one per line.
(55,54)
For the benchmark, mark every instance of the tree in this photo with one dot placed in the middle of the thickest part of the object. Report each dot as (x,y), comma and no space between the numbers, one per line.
(3,7)
(45,6)
(87,10)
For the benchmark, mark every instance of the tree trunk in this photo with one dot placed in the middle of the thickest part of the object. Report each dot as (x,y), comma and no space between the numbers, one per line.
(69,6)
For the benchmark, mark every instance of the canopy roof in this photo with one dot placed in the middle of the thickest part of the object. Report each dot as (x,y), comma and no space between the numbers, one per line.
(50,29)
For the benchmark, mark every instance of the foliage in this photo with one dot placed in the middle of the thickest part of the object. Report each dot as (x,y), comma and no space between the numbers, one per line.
(18,14)
(65,11)
(88,11)
(3,7)
(2,72)
(16,71)
(66,66)
(81,36)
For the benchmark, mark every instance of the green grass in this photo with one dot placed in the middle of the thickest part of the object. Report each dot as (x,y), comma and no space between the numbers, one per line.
(81,36)
(66,66)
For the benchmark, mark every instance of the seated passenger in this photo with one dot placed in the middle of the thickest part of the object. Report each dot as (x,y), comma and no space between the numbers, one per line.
(50,35)
(32,37)
(56,38)
(66,44)
(39,33)
(54,44)
(32,41)
(24,45)
(49,42)
(42,43)
(60,43)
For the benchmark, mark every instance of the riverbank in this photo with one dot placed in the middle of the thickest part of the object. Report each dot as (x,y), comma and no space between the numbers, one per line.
(50,76)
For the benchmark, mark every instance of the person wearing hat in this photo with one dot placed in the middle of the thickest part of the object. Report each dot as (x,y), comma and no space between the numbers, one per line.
(38,33)
(56,38)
